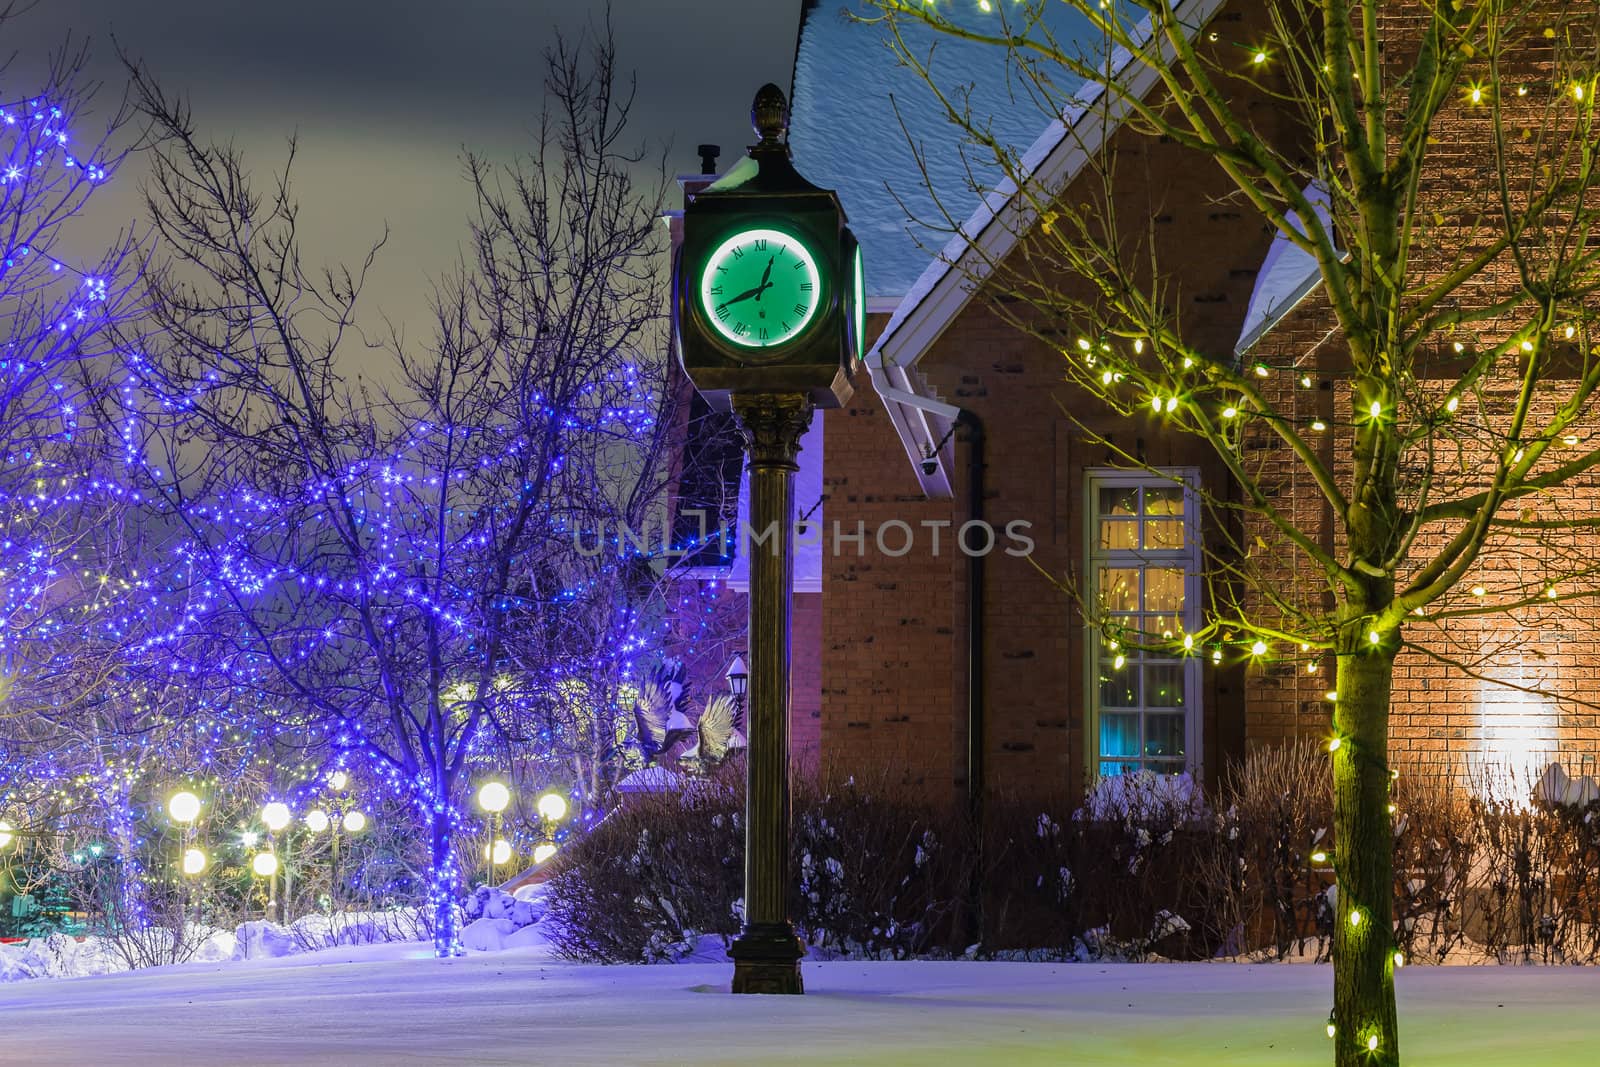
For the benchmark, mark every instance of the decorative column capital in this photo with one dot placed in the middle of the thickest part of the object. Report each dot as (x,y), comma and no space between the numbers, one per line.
(773,425)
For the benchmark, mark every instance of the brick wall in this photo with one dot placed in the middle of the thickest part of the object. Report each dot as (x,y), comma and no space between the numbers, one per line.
(893,629)
(1458,692)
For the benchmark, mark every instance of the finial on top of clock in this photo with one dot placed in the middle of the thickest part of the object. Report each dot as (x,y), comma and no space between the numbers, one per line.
(770,115)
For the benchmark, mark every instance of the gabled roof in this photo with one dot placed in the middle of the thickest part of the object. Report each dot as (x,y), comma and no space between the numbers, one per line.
(1287,276)
(1002,217)
(856,114)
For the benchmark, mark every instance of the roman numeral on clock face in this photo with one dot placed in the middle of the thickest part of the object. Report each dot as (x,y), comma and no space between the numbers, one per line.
(799,309)
(723,313)
(805,287)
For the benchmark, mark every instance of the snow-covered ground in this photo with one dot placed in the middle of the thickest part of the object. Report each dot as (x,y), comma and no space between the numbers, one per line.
(393,1005)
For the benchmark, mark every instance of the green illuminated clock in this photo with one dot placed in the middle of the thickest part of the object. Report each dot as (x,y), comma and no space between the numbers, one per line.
(760,288)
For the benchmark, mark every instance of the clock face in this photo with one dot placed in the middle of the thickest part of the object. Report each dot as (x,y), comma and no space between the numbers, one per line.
(760,288)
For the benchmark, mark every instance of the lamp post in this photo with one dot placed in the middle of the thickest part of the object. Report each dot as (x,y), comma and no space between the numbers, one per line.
(553,808)
(493,797)
(343,816)
(184,808)
(265,865)
(738,683)
(276,817)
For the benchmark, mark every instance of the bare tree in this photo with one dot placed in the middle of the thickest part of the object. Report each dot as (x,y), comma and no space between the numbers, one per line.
(1452,147)
(374,555)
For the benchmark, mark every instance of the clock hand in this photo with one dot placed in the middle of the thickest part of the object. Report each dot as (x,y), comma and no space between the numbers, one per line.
(746,295)
(765,284)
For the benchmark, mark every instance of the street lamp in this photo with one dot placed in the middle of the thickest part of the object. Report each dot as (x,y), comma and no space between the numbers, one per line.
(277,817)
(184,807)
(316,820)
(553,807)
(543,851)
(5,833)
(264,864)
(738,676)
(354,822)
(194,861)
(338,780)
(494,797)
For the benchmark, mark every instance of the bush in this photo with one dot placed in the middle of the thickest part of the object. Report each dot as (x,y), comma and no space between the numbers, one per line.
(875,875)
(658,873)
(1141,869)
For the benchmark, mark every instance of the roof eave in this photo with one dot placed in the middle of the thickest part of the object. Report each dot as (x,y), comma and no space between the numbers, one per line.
(1000,221)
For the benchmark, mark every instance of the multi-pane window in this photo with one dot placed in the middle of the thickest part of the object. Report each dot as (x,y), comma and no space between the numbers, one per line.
(1144,566)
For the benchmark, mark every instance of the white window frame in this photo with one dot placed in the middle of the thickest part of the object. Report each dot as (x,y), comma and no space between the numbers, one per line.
(1190,557)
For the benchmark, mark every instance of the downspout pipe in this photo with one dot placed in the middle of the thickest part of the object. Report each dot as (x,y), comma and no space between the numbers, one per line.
(976,727)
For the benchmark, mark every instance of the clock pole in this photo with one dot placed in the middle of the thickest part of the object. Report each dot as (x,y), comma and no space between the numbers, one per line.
(774,361)
(766,954)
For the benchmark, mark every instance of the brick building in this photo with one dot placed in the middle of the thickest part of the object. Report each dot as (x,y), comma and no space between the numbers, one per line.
(944,671)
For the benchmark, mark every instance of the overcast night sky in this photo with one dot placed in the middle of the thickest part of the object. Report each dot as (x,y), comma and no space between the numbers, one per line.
(385,93)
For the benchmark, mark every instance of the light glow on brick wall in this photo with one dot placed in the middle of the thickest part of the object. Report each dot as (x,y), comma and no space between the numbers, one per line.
(1516,741)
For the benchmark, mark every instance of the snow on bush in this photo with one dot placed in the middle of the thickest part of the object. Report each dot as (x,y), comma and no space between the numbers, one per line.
(499,920)
(61,956)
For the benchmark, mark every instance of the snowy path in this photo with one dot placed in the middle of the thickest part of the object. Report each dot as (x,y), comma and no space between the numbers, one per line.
(385,1006)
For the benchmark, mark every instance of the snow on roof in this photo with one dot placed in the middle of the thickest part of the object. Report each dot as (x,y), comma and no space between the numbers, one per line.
(742,171)
(1287,275)
(651,779)
(945,284)
(854,108)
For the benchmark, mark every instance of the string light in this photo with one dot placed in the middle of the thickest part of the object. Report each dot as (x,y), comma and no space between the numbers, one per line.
(1259,648)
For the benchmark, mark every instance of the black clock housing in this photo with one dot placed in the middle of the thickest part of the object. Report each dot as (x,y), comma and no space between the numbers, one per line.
(820,360)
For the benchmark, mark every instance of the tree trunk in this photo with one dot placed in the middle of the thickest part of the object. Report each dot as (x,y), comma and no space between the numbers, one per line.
(444,882)
(1363,941)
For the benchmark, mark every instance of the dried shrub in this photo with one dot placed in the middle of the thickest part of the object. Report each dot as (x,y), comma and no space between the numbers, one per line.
(1435,844)
(877,874)
(1533,894)
(1137,871)
(881,874)
(661,871)
(1111,880)
(1274,813)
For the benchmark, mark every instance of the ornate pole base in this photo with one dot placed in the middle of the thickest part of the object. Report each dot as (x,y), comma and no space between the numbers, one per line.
(766,959)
